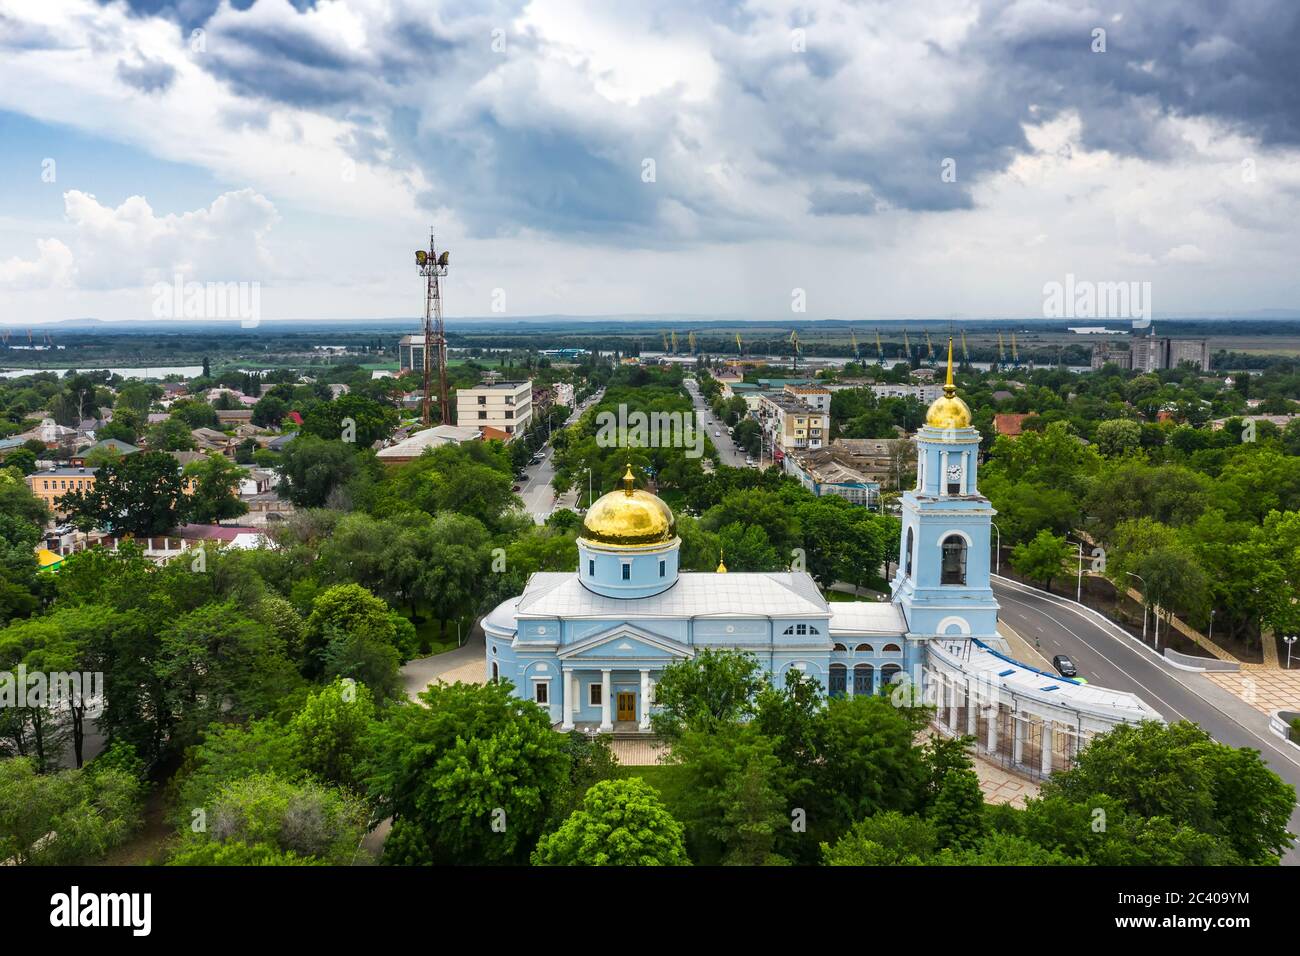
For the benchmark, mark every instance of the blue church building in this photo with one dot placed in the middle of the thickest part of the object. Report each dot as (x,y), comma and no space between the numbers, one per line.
(589,645)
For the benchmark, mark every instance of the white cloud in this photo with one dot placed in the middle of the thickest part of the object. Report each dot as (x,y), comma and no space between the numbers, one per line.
(130,246)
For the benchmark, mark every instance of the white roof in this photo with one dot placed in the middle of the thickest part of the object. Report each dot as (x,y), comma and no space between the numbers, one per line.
(1000,670)
(867,617)
(415,445)
(777,594)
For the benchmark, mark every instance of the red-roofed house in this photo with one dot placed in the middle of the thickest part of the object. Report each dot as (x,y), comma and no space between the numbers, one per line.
(1010,424)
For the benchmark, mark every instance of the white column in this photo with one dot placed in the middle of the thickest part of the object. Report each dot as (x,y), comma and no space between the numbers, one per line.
(965,473)
(568,699)
(1018,740)
(1047,747)
(848,679)
(952,706)
(605,722)
(943,473)
(972,710)
(993,727)
(645,698)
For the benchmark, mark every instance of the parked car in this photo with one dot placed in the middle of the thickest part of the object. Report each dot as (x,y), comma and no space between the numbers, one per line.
(517,488)
(1064,666)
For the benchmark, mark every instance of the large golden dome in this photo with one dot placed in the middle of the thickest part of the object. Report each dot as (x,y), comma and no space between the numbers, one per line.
(948,411)
(629,518)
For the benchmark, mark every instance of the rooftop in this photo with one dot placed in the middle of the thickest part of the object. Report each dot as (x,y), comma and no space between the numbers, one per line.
(777,594)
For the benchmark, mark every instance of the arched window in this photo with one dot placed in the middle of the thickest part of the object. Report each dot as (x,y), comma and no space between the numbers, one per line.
(953,569)
(864,680)
(892,649)
(839,647)
(864,647)
(839,680)
(907,556)
(889,673)
(496,673)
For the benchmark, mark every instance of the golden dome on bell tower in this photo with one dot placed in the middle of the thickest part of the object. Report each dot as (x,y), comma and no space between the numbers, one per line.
(629,518)
(949,411)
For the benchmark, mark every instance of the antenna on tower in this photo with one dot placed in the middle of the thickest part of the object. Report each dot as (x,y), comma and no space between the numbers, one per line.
(433,266)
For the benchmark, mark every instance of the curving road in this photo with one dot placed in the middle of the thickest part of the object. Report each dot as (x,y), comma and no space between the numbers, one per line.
(1107,655)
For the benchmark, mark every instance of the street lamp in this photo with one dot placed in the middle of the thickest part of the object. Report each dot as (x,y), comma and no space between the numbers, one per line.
(1211,634)
(1144,603)
(1289,640)
(1078,596)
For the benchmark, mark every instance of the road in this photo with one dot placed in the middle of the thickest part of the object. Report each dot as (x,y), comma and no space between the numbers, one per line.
(728,453)
(539,498)
(1110,657)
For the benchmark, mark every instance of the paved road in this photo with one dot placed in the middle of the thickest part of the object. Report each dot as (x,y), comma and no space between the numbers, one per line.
(539,498)
(1106,655)
(728,452)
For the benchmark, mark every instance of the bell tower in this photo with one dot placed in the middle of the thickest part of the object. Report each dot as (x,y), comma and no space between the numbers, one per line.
(942,584)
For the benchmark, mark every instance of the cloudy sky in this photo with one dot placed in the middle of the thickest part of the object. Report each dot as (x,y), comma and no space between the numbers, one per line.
(682,156)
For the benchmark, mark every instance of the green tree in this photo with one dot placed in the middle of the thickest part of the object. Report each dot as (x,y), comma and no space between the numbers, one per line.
(315,472)
(329,732)
(701,693)
(886,839)
(216,489)
(958,810)
(66,817)
(350,418)
(139,494)
(303,818)
(470,776)
(620,823)
(1118,436)
(1043,558)
(1179,773)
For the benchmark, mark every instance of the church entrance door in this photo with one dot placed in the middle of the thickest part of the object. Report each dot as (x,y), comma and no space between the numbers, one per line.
(626,706)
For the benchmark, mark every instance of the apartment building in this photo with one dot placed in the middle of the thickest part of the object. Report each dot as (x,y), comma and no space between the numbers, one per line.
(53,483)
(506,406)
(816,397)
(790,424)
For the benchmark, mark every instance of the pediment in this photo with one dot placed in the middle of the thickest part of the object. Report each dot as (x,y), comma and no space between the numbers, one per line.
(627,641)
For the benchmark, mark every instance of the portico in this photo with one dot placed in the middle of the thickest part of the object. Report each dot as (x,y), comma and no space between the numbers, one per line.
(610,676)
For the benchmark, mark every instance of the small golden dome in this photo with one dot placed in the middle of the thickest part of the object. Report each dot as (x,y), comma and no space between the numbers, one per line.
(629,518)
(949,411)
(722,566)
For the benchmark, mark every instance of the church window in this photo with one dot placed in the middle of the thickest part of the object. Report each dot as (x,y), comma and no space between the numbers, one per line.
(892,649)
(662,568)
(864,678)
(907,556)
(627,571)
(839,680)
(839,647)
(864,648)
(591,568)
(496,672)
(813,630)
(953,569)
(542,692)
(593,695)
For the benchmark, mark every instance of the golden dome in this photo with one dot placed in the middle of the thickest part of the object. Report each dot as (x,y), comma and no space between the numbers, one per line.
(629,518)
(948,411)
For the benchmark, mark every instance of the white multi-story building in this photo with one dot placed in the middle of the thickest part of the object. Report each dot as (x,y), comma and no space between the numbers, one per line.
(817,397)
(506,406)
(791,425)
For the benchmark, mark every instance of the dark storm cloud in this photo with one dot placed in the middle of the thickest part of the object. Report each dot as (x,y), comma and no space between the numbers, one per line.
(814,121)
